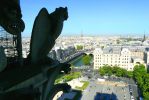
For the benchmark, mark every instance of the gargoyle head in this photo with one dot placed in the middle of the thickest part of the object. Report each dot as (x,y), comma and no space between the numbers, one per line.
(62,12)
(10,16)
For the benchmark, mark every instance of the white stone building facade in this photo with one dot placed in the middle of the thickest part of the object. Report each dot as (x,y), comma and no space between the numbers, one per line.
(120,57)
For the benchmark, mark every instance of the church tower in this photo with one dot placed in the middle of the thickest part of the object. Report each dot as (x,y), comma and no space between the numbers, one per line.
(144,38)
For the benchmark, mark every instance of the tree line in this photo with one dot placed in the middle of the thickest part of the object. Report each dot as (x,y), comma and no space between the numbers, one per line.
(142,78)
(115,70)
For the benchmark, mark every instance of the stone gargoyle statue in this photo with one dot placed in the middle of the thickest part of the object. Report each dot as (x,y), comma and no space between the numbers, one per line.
(47,27)
(10,19)
(10,16)
(38,75)
(3,59)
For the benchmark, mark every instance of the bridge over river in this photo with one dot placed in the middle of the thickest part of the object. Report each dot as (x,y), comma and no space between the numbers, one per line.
(75,55)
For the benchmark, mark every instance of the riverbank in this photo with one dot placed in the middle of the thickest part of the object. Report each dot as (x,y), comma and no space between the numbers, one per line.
(78,62)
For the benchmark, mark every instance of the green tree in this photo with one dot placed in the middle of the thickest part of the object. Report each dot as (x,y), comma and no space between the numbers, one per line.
(124,72)
(109,70)
(139,80)
(146,95)
(86,60)
(102,47)
(118,41)
(146,86)
(142,78)
(119,71)
(105,70)
(102,71)
(129,74)
(146,78)
(139,71)
(79,47)
(129,39)
(114,69)
(140,68)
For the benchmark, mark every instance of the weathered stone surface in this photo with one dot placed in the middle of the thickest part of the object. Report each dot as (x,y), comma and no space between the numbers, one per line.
(10,16)
(47,27)
(38,74)
(3,59)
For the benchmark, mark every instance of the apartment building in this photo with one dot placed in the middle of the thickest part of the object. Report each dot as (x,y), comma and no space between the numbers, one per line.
(113,56)
(138,52)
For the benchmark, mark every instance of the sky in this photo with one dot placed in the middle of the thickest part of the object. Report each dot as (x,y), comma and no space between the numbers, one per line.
(93,17)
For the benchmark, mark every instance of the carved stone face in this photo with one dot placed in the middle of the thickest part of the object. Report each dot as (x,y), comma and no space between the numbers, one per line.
(10,17)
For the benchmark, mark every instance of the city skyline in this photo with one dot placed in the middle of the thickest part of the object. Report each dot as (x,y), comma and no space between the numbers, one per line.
(110,17)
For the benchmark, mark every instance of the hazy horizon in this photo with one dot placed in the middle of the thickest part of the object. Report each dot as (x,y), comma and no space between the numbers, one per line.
(96,35)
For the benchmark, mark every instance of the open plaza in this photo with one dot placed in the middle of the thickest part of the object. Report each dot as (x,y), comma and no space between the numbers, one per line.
(109,89)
